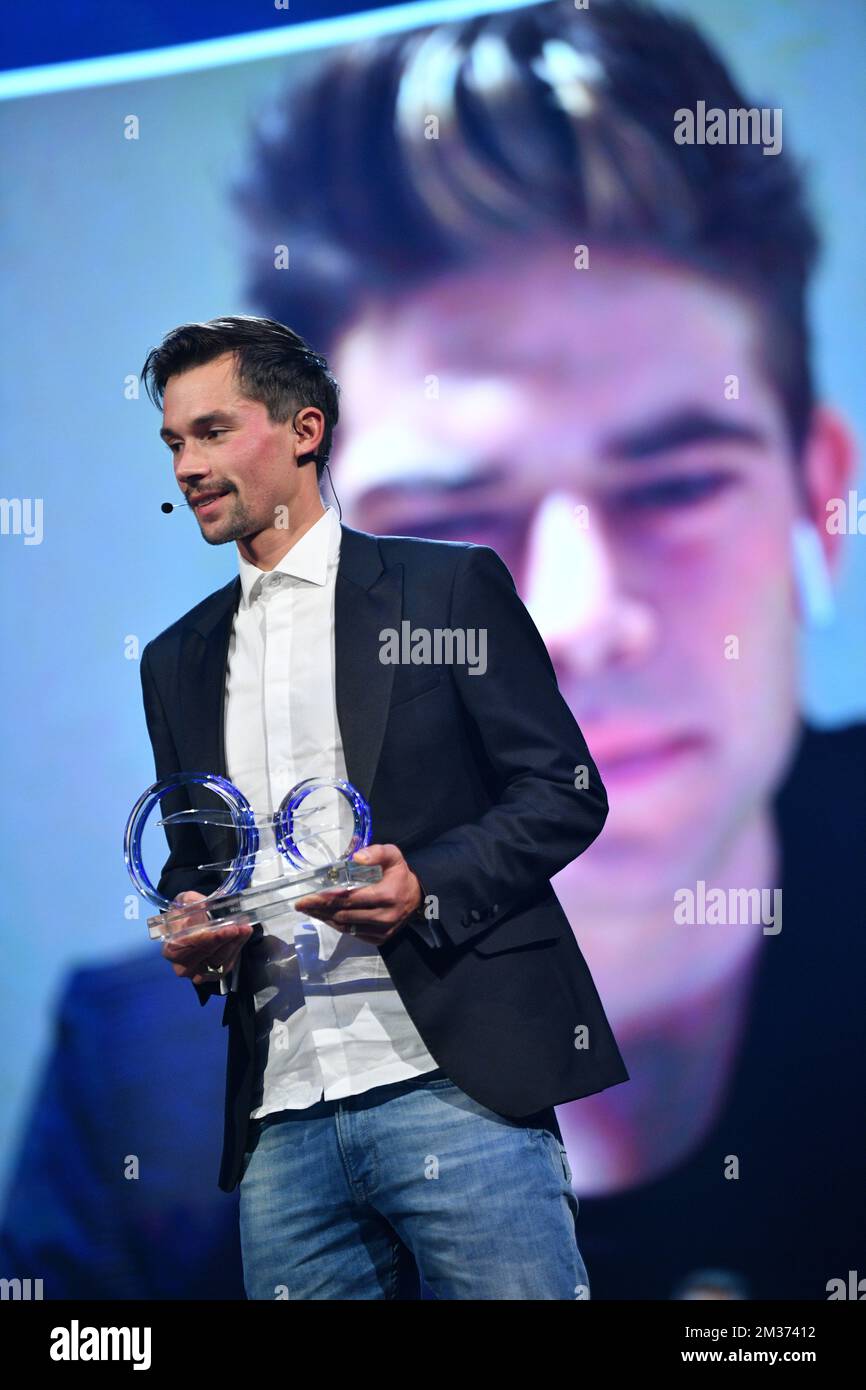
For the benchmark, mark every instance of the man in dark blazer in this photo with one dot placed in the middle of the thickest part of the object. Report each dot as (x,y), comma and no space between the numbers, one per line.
(480,784)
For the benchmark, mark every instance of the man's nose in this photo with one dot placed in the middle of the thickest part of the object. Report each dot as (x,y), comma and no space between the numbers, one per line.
(575,595)
(190,465)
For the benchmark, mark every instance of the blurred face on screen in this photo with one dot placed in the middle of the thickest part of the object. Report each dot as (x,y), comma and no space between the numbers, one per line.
(584,425)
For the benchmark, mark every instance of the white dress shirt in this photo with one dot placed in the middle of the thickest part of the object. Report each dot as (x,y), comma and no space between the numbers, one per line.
(329,1019)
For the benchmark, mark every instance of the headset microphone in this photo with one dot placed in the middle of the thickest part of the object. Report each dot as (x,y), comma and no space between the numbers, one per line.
(172,506)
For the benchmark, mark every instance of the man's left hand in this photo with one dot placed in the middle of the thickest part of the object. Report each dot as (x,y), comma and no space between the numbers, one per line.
(376,910)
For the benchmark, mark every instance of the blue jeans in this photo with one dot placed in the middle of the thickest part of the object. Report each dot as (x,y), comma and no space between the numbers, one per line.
(405,1185)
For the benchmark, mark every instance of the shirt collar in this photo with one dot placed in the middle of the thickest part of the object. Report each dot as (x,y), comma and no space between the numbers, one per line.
(309,558)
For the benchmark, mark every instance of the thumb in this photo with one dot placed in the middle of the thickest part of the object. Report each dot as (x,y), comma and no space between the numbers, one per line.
(377,854)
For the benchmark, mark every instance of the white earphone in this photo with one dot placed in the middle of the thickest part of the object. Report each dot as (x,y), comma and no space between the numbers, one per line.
(812,574)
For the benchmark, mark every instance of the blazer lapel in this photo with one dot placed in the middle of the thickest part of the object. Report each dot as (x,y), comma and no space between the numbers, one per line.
(369,597)
(203,662)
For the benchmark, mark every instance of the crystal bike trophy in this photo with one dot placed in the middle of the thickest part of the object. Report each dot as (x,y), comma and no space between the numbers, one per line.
(310,841)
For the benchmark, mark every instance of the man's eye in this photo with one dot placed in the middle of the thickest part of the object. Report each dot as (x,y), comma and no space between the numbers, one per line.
(209,434)
(686,491)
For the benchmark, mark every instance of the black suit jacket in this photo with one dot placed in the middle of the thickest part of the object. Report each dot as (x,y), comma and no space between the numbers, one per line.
(472,775)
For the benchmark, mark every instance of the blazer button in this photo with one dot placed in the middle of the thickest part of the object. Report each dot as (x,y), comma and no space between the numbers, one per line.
(476,915)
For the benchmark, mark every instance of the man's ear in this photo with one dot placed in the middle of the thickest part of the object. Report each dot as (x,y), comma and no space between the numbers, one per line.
(308,424)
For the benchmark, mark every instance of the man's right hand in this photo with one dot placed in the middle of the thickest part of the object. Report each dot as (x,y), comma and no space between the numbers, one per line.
(192,954)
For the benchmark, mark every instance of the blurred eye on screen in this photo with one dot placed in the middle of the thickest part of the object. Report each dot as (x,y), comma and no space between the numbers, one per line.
(686,491)
(483,528)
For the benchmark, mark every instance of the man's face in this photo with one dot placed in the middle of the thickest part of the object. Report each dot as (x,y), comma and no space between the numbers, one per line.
(494,407)
(231,463)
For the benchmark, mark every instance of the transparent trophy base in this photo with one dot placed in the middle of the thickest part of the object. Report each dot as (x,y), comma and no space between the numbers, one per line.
(257,904)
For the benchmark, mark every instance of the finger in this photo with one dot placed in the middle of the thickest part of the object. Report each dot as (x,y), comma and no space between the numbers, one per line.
(310,903)
(343,912)
(369,899)
(193,913)
(378,854)
(186,949)
(378,896)
(369,908)
(224,958)
(191,948)
(324,895)
(374,938)
(346,917)
(200,973)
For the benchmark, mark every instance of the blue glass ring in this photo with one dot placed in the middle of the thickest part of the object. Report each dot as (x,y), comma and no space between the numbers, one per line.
(243,821)
(288,819)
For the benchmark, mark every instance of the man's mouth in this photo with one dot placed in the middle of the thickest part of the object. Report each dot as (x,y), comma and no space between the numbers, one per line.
(206,503)
(626,756)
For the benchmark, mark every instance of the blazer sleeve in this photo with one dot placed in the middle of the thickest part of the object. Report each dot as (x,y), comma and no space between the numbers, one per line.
(552,803)
(186,847)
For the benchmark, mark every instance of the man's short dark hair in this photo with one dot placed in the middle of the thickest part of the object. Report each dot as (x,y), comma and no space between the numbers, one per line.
(273,365)
(553,122)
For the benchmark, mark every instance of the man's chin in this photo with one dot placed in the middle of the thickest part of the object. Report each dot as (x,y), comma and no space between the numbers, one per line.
(237,529)
(216,537)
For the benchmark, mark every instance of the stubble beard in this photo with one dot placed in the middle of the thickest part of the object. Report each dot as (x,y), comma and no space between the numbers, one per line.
(239,524)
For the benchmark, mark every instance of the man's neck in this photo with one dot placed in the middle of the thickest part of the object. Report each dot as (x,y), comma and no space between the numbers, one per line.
(646,958)
(676,997)
(266,548)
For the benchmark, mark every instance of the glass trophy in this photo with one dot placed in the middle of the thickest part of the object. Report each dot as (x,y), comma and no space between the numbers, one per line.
(306,846)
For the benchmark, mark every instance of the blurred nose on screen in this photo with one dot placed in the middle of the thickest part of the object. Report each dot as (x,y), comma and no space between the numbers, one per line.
(573,592)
